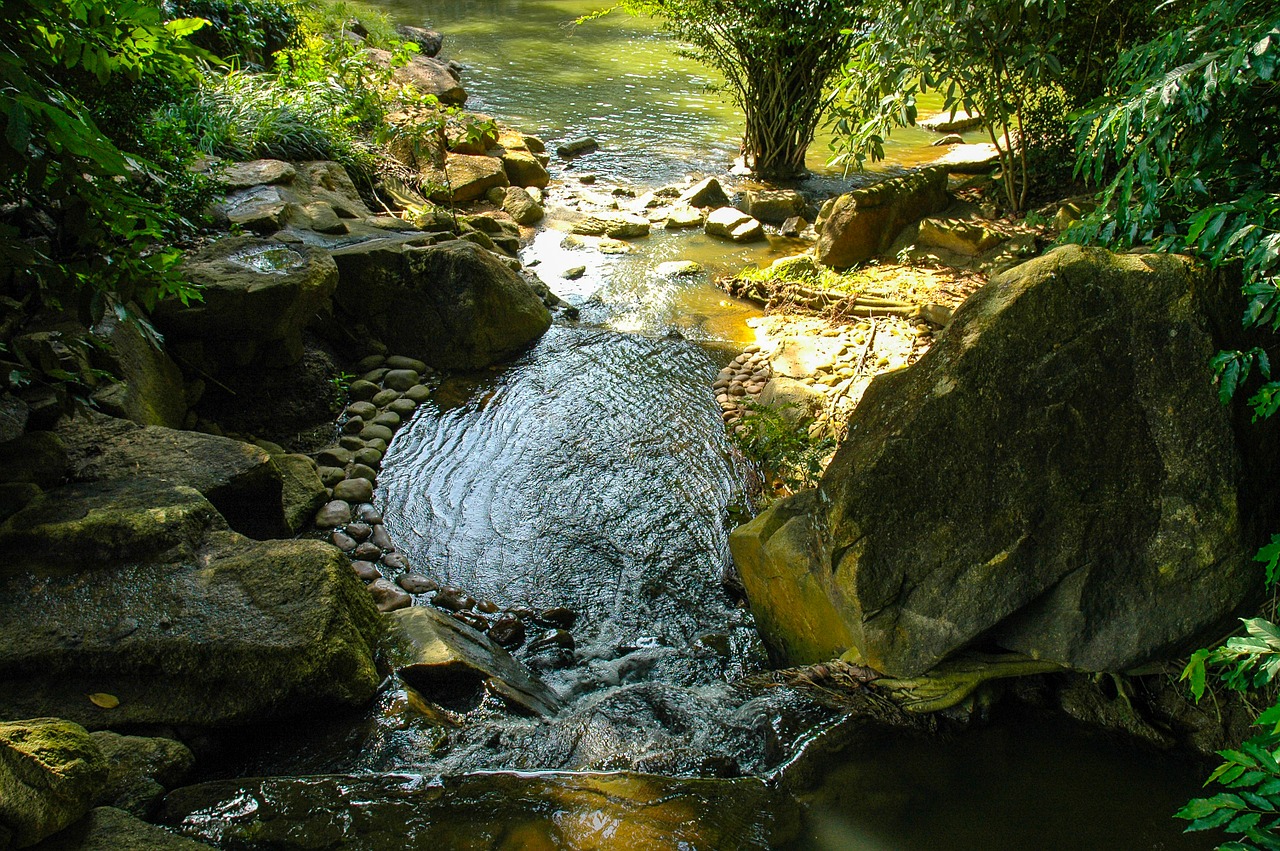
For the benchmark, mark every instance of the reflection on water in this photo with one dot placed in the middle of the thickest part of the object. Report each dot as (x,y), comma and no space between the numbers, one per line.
(617,78)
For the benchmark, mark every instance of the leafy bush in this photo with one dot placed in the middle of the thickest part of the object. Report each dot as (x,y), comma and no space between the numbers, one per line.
(779,444)
(250,32)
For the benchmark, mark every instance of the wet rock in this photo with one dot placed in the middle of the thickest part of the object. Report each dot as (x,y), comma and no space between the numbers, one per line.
(454,599)
(474,620)
(404,407)
(335,513)
(363,390)
(733,225)
(440,657)
(488,607)
(557,616)
(367,551)
(353,426)
(418,393)
(343,541)
(368,514)
(353,490)
(400,379)
(50,772)
(684,217)
(395,561)
(793,226)
(223,629)
(949,139)
(370,362)
(333,457)
(521,206)
(141,770)
(863,224)
(678,268)
(362,471)
(559,639)
(453,304)
(388,597)
(363,410)
(359,531)
(948,122)
(389,419)
(416,583)
(385,397)
(330,476)
(508,631)
(111,828)
(524,169)
(381,537)
(705,193)
(367,571)
(578,147)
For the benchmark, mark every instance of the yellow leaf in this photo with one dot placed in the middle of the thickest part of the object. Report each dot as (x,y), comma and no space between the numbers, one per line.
(106,701)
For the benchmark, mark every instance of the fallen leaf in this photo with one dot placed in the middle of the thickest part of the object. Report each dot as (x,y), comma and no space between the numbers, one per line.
(106,701)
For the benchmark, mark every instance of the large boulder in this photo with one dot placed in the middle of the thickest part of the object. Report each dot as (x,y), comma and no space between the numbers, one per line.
(470,177)
(1055,478)
(864,223)
(446,660)
(127,602)
(258,295)
(150,388)
(240,479)
(50,772)
(578,811)
(428,75)
(315,200)
(453,305)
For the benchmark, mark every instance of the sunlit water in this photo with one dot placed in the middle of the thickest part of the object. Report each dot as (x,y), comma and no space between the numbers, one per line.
(593,472)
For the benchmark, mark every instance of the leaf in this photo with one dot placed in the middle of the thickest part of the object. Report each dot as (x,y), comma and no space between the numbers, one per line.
(1269,555)
(106,701)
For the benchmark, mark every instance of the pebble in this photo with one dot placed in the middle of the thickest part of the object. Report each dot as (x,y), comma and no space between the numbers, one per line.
(395,561)
(558,638)
(385,397)
(751,349)
(359,531)
(737,389)
(353,490)
(388,597)
(390,419)
(362,471)
(355,425)
(416,583)
(374,376)
(369,514)
(507,631)
(368,551)
(453,598)
(371,362)
(488,607)
(557,616)
(403,407)
(362,391)
(336,513)
(362,409)
(378,444)
(330,476)
(400,379)
(350,441)
(369,457)
(381,538)
(376,432)
(401,362)
(472,619)
(418,393)
(366,570)
(343,541)
(333,457)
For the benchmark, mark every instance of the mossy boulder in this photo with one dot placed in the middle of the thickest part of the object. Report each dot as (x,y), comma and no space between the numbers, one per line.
(1056,477)
(142,769)
(524,169)
(134,589)
(863,224)
(111,828)
(50,772)
(240,479)
(571,811)
(301,490)
(453,305)
(150,390)
(37,457)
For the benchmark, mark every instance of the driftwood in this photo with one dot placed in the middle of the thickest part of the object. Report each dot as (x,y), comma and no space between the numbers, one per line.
(775,294)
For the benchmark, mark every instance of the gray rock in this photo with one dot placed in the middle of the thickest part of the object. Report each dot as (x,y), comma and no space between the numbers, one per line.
(400,379)
(330,476)
(369,457)
(141,770)
(774,206)
(439,656)
(404,407)
(429,41)
(376,432)
(353,490)
(362,471)
(402,362)
(385,397)
(363,390)
(705,193)
(614,225)
(418,393)
(470,177)
(427,75)
(243,175)
(335,513)
(578,147)
(390,419)
(521,206)
(524,169)
(335,456)
(573,273)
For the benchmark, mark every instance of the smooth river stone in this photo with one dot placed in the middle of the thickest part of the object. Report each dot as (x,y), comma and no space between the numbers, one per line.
(454,599)
(359,531)
(418,393)
(330,476)
(378,444)
(390,419)
(350,441)
(474,620)
(362,391)
(381,538)
(385,397)
(362,409)
(395,561)
(388,597)
(402,362)
(343,541)
(557,616)
(369,457)
(366,570)
(507,631)
(362,471)
(353,490)
(416,583)
(368,551)
(370,362)
(400,379)
(403,407)
(335,513)
(333,457)
(553,638)
(355,425)
(369,514)
(375,376)
(376,432)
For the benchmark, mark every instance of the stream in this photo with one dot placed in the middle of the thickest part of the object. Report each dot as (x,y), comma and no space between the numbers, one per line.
(594,473)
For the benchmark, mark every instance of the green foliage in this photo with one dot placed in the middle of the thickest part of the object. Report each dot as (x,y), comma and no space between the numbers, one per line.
(782,447)
(993,58)
(248,32)
(776,57)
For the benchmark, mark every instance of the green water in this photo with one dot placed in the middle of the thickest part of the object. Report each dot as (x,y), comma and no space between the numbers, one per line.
(617,78)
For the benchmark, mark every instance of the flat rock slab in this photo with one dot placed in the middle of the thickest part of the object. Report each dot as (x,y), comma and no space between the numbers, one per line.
(568,811)
(615,225)
(132,589)
(734,225)
(977,158)
(439,656)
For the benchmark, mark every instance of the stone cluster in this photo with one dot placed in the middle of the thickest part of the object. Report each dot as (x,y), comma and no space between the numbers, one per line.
(744,378)
(383,399)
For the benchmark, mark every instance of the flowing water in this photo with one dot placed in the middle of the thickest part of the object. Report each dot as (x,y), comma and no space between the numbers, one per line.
(594,473)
